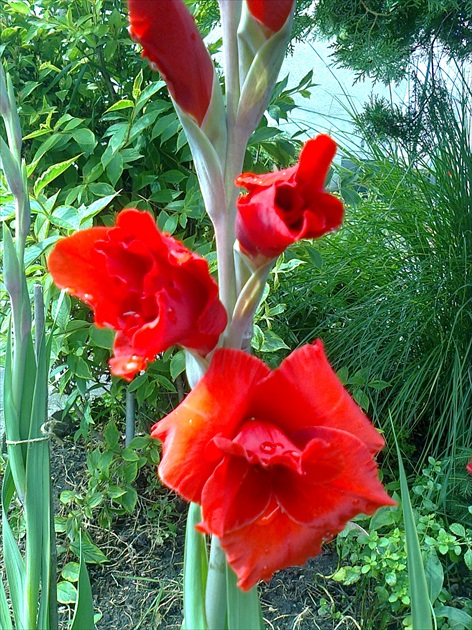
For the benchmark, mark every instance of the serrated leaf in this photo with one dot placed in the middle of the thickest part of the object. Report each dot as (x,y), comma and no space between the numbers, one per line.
(457,529)
(111,434)
(101,337)
(468,559)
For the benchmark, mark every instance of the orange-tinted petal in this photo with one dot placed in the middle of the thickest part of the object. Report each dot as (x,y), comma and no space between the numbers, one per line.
(216,406)
(305,392)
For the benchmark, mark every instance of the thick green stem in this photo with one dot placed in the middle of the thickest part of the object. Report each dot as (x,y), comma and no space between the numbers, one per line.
(216,603)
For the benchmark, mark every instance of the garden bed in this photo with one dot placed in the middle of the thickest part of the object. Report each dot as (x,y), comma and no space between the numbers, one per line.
(141,584)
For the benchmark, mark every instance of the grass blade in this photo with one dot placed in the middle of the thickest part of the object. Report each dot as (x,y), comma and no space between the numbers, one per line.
(421,610)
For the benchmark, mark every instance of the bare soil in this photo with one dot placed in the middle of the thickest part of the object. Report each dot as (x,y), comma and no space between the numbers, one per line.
(141,585)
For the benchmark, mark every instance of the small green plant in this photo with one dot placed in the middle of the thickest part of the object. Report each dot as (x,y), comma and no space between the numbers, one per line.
(110,490)
(373,556)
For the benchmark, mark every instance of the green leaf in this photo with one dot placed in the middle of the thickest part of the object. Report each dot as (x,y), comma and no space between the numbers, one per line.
(19,7)
(361,399)
(88,212)
(12,169)
(244,609)
(115,492)
(272,342)
(420,602)
(457,529)
(85,138)
(164,382)
(66,593)
(83,614)
(456,616)
(101,337)
(434,575)
(126,103)
(11,268)
(177,364)
(66,217)
(137,382)
(468,559)
(195,572)
(129,499)
(111,434)
(52,173)
(91,553)
(129,455)
(67,496)
(5,619)
(114,168)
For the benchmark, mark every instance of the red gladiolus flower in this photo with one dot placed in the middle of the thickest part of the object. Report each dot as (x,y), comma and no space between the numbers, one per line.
(171,40)
(145,285)
(279,461)
(271,13)
(286,206)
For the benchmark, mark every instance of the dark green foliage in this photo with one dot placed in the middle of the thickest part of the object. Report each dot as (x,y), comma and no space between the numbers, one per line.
(391,292)
(377,38)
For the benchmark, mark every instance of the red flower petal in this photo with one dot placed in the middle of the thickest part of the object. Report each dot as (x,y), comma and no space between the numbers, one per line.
(260,231)
(278,461)
(73,264)
(145,285)
(271,13)
(272,542)
(339,481)
(171,40)
(234,484)
(314,162)
(284,207)
(216,406)
(305,392)
(255,181)
(469,467)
